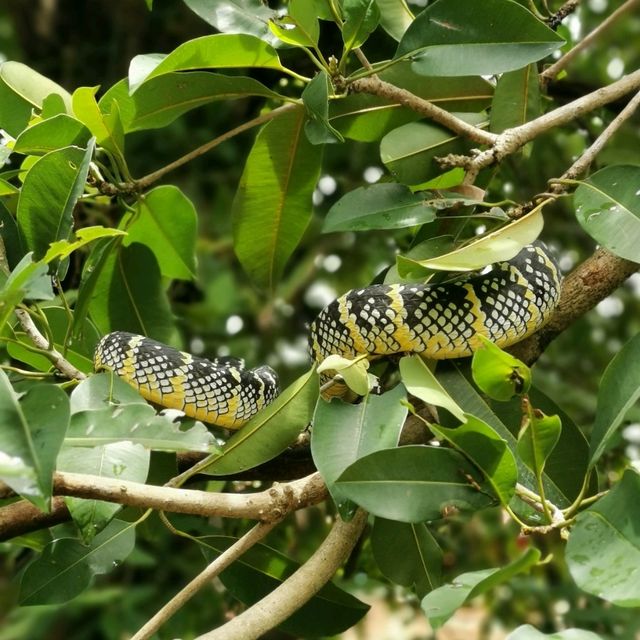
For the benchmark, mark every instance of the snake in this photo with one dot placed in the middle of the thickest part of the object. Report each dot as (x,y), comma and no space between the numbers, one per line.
(507,302)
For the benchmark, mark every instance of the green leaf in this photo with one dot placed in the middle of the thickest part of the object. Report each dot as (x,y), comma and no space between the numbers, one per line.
(413,483)
(379,206)
(64,248)
(568,463)
(537,438)
(421,383)
(106,128)
(129,296)
(273,206)
(300,25)
(405,269)
(618,392)
(270,431)
(441,604)
(165,220)
(236,16)
(353,372)
(527,632)
(15,111)
(497,373)
(51,134)
(316,100)
(360,20)
(50,191)
(407,554)
(219,51)
(409,152)
(464,37)
(608,209)
(502,244)
(487,450)
(342,433)
(367,118)
(262,569)
(31,85)
(603,552)
(395,17)
(33,427)
(161,100)
(11,239)
(119,460)
(7,189)
(66,566)
(516,99)
(103,390)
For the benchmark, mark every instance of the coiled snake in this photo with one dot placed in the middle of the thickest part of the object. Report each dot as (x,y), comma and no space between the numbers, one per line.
(508,303)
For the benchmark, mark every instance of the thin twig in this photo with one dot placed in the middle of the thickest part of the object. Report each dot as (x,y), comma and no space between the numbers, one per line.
(242,545)
(383,89)
(551,72)
(299,588)
(56,358)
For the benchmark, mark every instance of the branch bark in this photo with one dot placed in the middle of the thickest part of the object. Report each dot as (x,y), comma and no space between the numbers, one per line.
(298,588)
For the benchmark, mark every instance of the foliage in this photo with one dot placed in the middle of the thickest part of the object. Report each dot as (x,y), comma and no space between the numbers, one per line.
(435,454)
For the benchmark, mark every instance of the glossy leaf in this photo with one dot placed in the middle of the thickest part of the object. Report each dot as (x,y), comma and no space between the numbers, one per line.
(272,207)
(502,244)
(300,26)
(159,101)
(378,206)
(31,85)
(33,427)
(219,51)
(516,99)
(497,373)
(608,209)
(537,438)
(50,191)
(15,111)
(603,552)
(118,460)
(413,483)
(441,604)
(316,100)
(353,372)
(527,632)
(395,17)
(360,19)
(464,37)
(568,463)
(261,569)
(165,220)
(487,450)
(270,431)
(405,269)
(618,392)
(421,383)
(129,296)
(66,566)
(235,16)
(51,134)
(409,152)
(342,433)
(103,390)
(407,554)
(106,128)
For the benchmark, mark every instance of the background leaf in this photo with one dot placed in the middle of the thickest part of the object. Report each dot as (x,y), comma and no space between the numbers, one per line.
(516,99)
(51,134)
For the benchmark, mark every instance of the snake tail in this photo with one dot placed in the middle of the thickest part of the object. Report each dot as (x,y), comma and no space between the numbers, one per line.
(220,392)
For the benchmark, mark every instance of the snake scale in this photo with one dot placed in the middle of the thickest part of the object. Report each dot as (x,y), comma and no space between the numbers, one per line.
(506,304)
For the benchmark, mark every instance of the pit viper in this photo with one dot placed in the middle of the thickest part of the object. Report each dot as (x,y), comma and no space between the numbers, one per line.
(506,304)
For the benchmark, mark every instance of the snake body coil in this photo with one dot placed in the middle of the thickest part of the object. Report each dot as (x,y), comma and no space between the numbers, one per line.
(507,304)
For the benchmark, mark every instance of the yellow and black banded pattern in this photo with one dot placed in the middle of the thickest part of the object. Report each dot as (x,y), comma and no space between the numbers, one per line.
(506,304)
(513,300)
(220,392)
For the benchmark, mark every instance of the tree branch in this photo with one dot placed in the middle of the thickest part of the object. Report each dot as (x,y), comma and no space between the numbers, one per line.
(551,72)
(298,588)
(242,545)
(375,86)
(22,517)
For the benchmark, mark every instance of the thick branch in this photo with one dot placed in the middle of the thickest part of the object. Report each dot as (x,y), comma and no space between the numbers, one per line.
(22,517)
(298,588)
(266,505)
(595,279)
(375,86)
